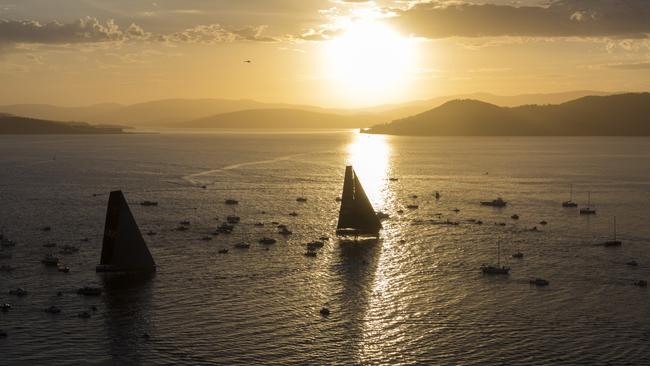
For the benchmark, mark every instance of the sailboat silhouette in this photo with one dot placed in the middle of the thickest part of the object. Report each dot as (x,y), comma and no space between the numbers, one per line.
(123,248)
(356,216)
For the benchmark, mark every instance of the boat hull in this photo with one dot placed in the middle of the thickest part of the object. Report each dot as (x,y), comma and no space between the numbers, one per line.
(111,268)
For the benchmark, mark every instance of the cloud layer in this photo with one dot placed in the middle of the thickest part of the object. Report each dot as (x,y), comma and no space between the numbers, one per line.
(561,18)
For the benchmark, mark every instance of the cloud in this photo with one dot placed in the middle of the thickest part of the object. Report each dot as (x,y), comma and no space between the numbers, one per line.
(631,66)
(561,18)
(90,30)
(86,30)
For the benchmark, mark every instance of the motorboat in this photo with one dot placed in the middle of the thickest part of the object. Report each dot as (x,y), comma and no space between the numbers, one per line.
(499,202)
(185,223)
(242,245)
(148,203)
(223,251)
(52,310)
(18,292)
(231,201)
(233,219)
(285,231)
(518,255)
(412,206)
(315,245)
(515,217)
(294,213)
(301,199)
(539,282)
(267,241)
(64,269)
(50,260)
(225,228)
(89,291)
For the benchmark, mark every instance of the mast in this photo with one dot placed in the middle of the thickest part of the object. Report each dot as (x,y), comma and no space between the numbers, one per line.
(614,227)
(571,192)
(498,254)
(589,199)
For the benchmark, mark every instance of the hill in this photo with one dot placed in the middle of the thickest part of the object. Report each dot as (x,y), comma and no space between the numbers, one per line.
(614,115)
(14,125)
(277,118)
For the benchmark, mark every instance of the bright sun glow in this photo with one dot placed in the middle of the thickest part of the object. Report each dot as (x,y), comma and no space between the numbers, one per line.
(370,62)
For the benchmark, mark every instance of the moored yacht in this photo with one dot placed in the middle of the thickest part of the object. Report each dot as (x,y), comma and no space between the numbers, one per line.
(499,202)
(498,269)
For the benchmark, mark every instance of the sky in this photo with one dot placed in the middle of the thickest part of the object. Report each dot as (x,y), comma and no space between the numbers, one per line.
(332,53)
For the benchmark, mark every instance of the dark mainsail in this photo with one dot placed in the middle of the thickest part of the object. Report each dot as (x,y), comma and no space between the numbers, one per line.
(123,247)
(356,217)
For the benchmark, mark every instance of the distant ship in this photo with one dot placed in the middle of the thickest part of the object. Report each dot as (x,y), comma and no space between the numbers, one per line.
(570,202)
(588,210)
(123,248)
(499,202)
(613,242)
(356,216)
(498,269)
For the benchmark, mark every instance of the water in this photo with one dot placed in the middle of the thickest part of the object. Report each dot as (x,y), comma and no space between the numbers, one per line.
(416,296)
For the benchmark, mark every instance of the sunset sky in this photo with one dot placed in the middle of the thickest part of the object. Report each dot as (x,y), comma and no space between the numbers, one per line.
(333,53)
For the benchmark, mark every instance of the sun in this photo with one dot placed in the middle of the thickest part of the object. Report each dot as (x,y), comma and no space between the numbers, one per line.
(369,63)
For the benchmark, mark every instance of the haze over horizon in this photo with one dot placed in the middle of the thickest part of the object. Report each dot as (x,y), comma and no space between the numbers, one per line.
(335,54)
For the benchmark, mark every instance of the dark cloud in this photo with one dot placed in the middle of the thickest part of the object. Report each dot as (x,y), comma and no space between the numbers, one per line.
(561,18)
(631,66)
(91,30)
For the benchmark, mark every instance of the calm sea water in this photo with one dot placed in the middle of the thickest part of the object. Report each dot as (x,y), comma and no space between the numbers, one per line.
(415,297)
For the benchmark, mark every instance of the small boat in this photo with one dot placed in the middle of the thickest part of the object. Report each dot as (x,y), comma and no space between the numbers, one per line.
(242,245)
(267,241)
(498,269)
(499,202)
(437,195)
(324,238)
(479,222)
(539,282)
(206,238)
(259,224)
(89,291)
(233,219)
(50,260)
(338,199)
(84,240)
(148,203)
(5,307)
(356,214)
(294,213)
(151,233)
(588,210)
(225,228)
(613,242)
(185,223)
(84,315)
(280,226)
(310,253)
(285,231)
(515,217)
(456,210)
(231,201)
(182,228)
(64,269)
(223,251)
(18,292)
(324,311)
(393,179)
(632,263)
(414,196)
(641,283)
(412,206)
(400,211)
(570,202)
(46,228)
(314,245)
(52,310)
(518,255)
(301,199)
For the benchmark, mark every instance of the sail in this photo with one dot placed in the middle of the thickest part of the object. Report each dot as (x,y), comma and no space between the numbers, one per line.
(123,248)
(356,215)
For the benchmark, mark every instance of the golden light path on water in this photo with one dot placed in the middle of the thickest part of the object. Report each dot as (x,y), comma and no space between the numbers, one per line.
(370,155)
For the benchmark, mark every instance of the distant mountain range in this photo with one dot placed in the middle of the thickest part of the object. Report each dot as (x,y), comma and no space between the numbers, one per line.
(613,115)
(184,113)
(13,125)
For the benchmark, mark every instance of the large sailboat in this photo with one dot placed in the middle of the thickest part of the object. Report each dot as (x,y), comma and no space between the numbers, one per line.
(123,248)
(613,242)
(356,216)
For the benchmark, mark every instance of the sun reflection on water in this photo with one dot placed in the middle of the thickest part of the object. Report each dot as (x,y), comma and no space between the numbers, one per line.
(369,155)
